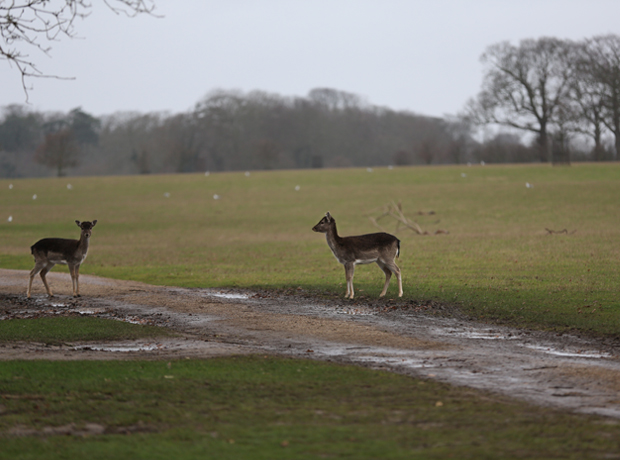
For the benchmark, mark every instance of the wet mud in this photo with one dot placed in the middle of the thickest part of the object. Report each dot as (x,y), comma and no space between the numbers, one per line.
(565,371)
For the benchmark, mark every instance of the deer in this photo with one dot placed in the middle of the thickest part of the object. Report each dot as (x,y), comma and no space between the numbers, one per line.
(381,248)
(51,251)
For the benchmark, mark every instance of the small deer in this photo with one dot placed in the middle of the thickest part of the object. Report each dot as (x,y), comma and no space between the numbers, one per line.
(51,251)
(381,248)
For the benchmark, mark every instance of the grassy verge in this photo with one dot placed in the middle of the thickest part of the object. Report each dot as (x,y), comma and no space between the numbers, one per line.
(497,262)
(73,329)
(269,408)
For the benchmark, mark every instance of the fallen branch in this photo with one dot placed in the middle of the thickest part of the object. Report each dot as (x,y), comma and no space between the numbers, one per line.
(556,232)
(395,211)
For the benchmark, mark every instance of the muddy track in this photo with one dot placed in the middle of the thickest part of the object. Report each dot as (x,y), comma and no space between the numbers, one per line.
(570,372)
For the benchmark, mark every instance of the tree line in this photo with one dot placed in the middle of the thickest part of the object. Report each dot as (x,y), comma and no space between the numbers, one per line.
(225,131)
(565,93)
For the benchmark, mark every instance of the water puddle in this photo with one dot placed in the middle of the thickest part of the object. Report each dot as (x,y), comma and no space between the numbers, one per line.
(119,348)
(61,309)
(89,312)
(354,312)
(479,335)
(570,354)
(224,295)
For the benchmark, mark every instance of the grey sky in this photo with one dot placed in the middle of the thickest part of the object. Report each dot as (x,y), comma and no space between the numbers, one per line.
(415,55)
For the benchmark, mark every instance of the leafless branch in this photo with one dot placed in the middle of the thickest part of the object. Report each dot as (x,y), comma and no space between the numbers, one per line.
(33,24)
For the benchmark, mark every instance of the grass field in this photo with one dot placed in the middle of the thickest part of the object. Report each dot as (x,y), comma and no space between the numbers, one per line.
(272,408)
(497,262)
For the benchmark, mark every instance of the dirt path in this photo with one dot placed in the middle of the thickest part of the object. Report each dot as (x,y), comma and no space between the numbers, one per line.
(570,372)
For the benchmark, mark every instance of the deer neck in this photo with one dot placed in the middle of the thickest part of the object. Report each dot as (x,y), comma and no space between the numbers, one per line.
(83,243)
(333,240)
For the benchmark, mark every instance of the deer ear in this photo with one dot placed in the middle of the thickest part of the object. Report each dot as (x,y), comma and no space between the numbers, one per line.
(77,222)
(94,222)
(328,215)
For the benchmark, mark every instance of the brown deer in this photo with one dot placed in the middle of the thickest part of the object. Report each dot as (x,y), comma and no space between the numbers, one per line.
(51,251)
(381,248)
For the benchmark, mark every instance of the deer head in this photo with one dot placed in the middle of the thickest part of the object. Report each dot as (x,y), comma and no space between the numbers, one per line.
(325,224)
(86,227)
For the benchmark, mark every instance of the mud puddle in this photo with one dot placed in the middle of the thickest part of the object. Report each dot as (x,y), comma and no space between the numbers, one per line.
(570,372)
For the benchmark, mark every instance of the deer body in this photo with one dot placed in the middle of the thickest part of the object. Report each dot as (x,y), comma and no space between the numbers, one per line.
(51,251)
(380,248)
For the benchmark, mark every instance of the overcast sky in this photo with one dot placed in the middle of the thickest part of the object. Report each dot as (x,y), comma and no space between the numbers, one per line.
(416,55)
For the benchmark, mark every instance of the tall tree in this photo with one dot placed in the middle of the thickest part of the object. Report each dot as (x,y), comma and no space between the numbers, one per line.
(585,103)
(20,129)
(524,86)
(84,126)
(219,115)
(59,150)
(603,65)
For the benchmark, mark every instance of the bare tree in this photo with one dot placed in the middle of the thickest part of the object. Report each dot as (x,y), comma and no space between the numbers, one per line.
(459,133)
(524,86)
(585,104)
(335,99)
(34,24)
(267,152)
(427,151)
(504,147)
(183,143)
(402,158)
(59,150)
(218,115)
(603,66)
(19,129)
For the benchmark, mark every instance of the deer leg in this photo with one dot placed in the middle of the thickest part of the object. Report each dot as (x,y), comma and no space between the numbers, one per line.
(37,268)
(44,271)
(72,273)
(349,269)
(394,268)
(388,276)
(76,281)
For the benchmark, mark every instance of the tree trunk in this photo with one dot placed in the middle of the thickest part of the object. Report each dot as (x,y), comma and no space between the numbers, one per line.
(543,144)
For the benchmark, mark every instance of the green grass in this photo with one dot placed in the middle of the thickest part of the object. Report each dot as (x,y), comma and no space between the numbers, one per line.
(72,329)
(497,263)
(273,408)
